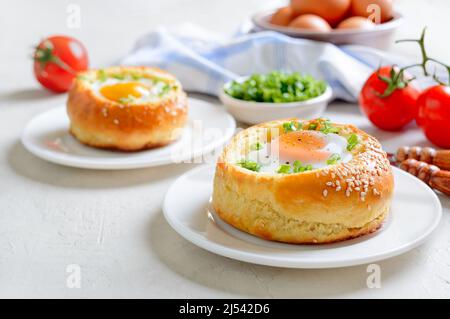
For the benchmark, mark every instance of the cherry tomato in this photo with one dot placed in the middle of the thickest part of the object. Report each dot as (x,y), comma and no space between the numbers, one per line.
(434,114)
(57,60)
(389,113)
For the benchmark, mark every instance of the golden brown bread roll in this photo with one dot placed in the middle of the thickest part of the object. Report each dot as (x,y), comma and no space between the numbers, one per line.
(127,108)
(320,203)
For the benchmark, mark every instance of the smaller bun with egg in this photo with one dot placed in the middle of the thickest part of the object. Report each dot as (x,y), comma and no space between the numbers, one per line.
(126,108)
(331,182)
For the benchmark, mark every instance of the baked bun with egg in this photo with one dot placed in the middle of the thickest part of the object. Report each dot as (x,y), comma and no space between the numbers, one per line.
(126,108)
(303,182)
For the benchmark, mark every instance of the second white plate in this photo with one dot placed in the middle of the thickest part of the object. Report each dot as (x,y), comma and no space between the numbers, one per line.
(415,213)
(46,136)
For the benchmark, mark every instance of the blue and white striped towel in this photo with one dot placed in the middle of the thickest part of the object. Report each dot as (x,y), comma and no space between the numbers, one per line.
(204,63)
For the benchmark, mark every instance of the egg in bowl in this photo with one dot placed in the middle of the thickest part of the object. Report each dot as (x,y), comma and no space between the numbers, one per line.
(126,108)
(303,182)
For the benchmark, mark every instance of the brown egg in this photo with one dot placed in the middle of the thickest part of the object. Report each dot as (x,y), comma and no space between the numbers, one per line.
(359,23)
(282,16)
(310,22)
(378,11)
(333,11)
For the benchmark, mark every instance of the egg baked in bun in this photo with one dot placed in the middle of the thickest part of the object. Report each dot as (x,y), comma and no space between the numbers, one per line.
(303,182)
(126,108)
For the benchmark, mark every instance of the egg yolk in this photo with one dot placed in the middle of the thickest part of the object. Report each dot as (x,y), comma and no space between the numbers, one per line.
(305,146)
(118,91)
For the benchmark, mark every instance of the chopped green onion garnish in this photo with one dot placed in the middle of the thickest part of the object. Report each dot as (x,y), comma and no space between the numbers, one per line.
(127,100)
(299,167)
(292,126)
(256,147)
(352,142)
(164,90)
(250,165)
(284,169)
(326,127)
(118,76)
(135,76)
(312,126)
(277,87)
(333,159)
(102,75)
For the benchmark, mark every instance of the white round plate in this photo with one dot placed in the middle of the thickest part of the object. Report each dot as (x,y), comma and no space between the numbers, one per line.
(415,213)
(46,136)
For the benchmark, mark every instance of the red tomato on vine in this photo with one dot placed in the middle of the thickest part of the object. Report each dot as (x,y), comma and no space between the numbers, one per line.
(57,60)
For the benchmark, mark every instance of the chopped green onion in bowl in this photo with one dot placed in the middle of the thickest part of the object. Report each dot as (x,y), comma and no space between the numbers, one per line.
(276,87)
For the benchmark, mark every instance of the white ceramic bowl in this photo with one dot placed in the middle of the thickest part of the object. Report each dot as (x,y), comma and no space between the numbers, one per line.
(258,112)
(380,37)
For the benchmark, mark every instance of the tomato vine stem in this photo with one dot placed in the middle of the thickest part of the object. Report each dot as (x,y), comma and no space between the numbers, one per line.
(397,79)
(45,55)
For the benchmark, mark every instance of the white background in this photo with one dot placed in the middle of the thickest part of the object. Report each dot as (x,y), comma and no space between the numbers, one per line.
(110,223)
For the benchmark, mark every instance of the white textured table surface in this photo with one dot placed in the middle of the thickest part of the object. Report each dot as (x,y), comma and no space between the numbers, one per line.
(111,224)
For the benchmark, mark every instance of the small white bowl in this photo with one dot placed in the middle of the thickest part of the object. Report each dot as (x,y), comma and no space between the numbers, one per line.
(258,112)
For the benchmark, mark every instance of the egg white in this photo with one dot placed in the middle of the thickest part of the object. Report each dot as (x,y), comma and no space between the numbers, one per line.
(270,160)
(152,94)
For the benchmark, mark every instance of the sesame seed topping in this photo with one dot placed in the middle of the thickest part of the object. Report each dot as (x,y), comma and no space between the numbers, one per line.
(360,175)
(105,112)
(116,121)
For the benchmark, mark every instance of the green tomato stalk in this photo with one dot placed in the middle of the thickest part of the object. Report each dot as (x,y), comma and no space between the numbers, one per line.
(397,79)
